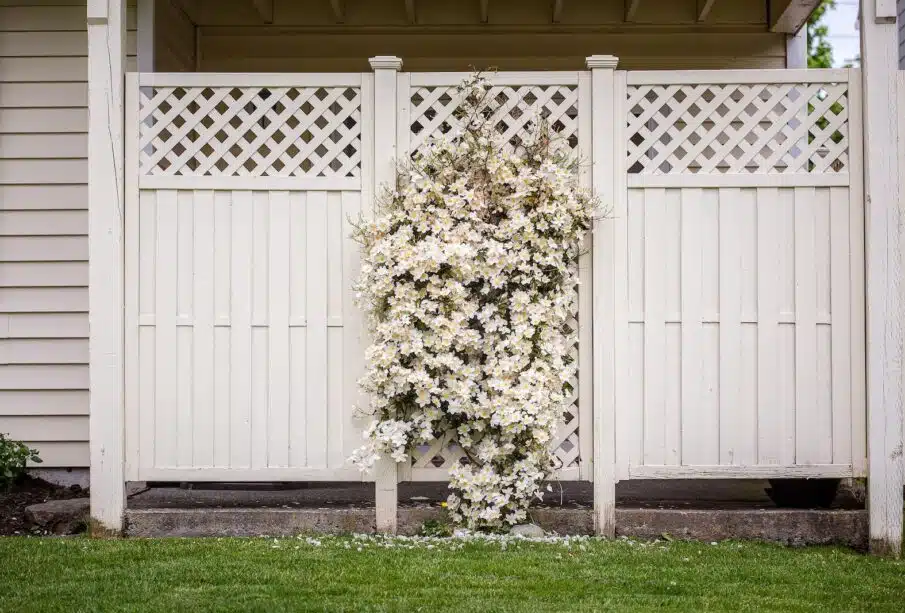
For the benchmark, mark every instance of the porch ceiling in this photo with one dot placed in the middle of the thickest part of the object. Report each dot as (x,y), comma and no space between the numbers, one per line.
(558,15)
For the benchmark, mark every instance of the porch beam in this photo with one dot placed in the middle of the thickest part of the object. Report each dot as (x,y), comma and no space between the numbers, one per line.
(703,9)
(884,275)
(106,64)
(339,10)
(556,15)
(631,8)
(789,16)
(411,11)
(485,11)
(264,9)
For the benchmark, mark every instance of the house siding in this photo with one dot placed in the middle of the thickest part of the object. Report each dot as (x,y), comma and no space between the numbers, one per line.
(44,225)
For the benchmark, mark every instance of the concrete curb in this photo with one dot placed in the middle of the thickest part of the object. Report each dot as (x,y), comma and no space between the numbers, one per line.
(787,526)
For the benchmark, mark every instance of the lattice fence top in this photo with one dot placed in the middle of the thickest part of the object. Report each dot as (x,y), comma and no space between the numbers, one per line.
(515,110)
(250,131)
(738,128)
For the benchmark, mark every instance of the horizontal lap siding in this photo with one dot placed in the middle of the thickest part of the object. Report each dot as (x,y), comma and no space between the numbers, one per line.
(44,226)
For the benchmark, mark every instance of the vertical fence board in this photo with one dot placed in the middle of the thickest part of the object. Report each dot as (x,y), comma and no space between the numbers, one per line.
(184,272)
(222,354)
(335,359)
(770,408)
(240,330)
(260,396)
(806,408)
(298,348)
(693,422)
(730,276)
(166,399)
(654,327)
(353,326)
(316,296)
(634,402)
(278,331)
(203,330)
(147,335)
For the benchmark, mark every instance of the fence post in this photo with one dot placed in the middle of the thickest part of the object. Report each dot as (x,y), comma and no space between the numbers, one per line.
(385,74)
(605,176)
(884,268)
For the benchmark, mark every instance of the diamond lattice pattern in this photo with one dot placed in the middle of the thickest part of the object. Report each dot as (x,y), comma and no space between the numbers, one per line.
(442,454)
(756,128)
(250,131)
(515,110)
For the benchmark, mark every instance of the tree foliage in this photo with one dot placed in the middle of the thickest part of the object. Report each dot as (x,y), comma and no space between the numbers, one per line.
(820,51)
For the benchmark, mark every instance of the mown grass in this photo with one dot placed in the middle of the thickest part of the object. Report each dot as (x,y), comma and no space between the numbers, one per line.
(344,574)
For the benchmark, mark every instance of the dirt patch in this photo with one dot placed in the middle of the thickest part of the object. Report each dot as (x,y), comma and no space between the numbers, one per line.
(30,491)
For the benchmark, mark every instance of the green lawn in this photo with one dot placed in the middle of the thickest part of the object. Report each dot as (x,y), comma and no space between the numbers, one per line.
(332,574)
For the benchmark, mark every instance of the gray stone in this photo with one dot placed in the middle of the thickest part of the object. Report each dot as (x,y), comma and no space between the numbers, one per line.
(247,522)
(527,530)
(795,527)
(60,516)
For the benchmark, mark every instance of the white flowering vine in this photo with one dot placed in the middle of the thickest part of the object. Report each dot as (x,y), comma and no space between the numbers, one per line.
(468,278)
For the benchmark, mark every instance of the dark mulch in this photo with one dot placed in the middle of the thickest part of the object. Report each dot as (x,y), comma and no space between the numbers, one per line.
(28,492)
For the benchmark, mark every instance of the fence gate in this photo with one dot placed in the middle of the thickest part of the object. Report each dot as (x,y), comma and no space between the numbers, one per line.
(242,341)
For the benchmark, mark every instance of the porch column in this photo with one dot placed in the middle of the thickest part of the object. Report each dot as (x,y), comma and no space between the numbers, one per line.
(606,175)
(883,257)
(106,61)
(385,67)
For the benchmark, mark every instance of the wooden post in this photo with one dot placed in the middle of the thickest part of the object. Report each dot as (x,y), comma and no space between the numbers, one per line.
(883,258)
(608,153)
(385,75)
(106,61)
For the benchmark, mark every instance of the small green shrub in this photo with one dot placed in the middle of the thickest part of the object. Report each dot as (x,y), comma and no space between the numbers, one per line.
(434,527)
(13,457)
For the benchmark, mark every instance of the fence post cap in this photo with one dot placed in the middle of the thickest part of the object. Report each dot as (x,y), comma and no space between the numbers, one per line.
(390,62)
(602,61)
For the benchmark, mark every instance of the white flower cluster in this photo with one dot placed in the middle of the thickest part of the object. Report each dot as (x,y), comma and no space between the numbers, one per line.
(468,278)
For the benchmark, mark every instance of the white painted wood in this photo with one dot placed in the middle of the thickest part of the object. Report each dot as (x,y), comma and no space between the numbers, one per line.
(106,58)
(385,159)
(511,78)
(131,346)
(856,248)
(264,79)
(240,474)
(250,183)
(278,417)
(240,330)
(725,77)
(825,471)
(316,331)
(606,100)
(585,290)
(885,312)
(740,180)
(203,351)
(797,49)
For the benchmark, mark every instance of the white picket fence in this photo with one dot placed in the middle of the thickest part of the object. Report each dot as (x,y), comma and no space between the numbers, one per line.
(720,315)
